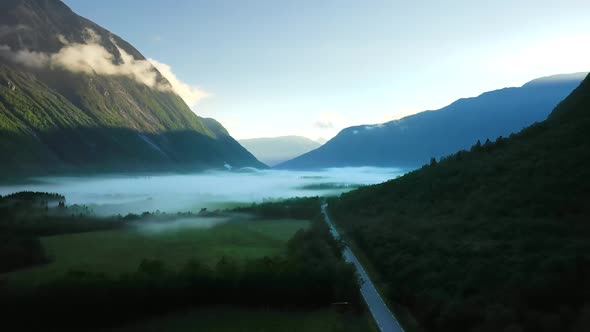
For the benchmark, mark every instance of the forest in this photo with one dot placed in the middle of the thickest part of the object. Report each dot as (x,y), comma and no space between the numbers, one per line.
(491,239)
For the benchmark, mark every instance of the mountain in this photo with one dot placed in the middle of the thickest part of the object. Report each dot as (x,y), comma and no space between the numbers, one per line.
(492,239)
(74,97)
(275,150)
(413,140)
(321,140)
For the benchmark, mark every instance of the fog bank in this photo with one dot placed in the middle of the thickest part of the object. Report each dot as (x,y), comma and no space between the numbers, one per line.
(191,192)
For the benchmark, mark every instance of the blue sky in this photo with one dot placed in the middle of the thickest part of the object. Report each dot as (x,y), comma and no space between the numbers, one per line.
(313,67)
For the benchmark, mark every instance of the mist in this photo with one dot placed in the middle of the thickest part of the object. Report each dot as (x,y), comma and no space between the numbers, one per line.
(111,195)
(174,225)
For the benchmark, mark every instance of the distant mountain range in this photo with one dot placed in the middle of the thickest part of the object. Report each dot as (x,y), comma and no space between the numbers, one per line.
(275,150)
(74,97)
(414,140)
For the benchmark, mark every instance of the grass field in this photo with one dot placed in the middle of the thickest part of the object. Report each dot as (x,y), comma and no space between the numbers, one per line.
(121,251)
(253,320)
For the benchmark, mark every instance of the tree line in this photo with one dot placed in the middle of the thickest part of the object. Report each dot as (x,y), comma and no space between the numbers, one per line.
(310,274)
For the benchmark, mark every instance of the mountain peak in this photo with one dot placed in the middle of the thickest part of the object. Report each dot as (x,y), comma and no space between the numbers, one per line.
(76,97)
(557,79)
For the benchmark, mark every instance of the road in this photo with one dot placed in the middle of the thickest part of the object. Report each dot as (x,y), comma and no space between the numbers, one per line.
(379,310)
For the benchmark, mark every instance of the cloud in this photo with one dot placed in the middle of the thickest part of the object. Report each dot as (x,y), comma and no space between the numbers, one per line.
(93,59)
(323,124)
(62,39)
(371,127)
(24,57)
(190,94)
(328,120)
(10,29)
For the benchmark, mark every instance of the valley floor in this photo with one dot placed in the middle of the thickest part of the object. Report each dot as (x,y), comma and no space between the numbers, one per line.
(122,250)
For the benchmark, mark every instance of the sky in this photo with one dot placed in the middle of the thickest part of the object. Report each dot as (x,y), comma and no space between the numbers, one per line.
(266,68)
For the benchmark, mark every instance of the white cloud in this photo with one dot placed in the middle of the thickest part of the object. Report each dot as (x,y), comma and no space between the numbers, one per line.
(323,124)
(328,120)
(25,57)
(371,127)
(93,59)
(190,94)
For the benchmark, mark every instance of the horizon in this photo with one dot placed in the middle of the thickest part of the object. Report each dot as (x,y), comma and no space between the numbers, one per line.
(332,65)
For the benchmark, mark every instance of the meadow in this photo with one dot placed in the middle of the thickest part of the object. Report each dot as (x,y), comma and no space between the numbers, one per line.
(271,266)
(121,250)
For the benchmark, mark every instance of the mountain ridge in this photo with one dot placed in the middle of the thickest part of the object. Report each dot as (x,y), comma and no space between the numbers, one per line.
(510,215)
(413,140)
(80,98)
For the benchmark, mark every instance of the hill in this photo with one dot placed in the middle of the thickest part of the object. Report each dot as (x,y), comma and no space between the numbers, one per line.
(74,97)
(492,239)
(413,140)
(275,150)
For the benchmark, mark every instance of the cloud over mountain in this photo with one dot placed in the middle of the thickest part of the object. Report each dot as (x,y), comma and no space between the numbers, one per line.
(94,59)
(190,94)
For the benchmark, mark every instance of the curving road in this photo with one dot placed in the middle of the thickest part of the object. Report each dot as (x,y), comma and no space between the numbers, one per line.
(379,310)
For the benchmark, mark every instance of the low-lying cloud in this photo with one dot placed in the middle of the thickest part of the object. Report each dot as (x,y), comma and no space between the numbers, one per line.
(25,57)
(323,124)
(10,29)
(156,227)
(93,59)
(327,120)
(190,94)
(112,195)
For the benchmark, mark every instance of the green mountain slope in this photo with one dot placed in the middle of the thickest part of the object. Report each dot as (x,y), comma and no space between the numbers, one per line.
(495,239)
(275,150)
(76,98)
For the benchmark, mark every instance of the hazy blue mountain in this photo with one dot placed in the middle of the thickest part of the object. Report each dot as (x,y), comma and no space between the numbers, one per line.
(321,140)
(74,97)
(275,150)
(412,141)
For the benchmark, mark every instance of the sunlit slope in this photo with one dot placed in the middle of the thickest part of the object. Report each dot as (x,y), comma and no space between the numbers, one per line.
(58,119)
(413,140)
(492,238)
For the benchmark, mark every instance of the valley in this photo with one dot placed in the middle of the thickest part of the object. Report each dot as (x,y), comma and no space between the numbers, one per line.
(286,166)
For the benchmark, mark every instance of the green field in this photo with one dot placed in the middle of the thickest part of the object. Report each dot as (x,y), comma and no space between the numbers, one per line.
(253,320)
(121,251)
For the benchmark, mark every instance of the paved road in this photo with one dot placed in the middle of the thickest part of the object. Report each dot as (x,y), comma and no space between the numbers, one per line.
(381,313)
